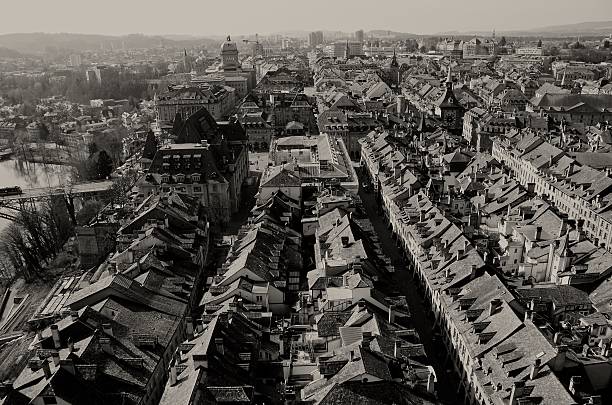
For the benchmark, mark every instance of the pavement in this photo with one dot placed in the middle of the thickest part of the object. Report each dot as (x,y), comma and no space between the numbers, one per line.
(420,312)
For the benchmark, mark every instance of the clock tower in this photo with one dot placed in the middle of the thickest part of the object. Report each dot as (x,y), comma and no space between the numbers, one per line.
(448,108)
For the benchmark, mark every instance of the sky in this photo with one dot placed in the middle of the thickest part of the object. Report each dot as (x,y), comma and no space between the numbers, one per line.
(238,17)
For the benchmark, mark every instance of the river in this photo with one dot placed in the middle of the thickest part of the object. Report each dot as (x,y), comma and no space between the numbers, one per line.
(32,175)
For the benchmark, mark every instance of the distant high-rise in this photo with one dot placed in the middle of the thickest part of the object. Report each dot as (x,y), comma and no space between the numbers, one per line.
(359,36)
(315,38)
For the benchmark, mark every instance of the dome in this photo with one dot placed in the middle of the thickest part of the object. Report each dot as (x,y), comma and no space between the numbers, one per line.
(229,46)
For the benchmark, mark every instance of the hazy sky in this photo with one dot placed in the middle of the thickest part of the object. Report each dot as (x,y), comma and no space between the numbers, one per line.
(206,17)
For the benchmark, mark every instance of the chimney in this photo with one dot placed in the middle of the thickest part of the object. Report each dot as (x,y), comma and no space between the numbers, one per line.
(106,345)
(466,243)
(538,234)
(173,375)
(431,379)
(574,384)
(535,369)
(219,345)
(189,325)
(459,254)
(557,338)
(474,271)
(391,314)
(200,325)
(70,345)
(39,335)
(46,368)
(528,315)
(57,343)
(351,356)
(74,316)
(107,328)
(56,357)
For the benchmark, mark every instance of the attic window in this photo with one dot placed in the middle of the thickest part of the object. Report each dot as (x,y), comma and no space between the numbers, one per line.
(180,178)
(195,177)
(165,178)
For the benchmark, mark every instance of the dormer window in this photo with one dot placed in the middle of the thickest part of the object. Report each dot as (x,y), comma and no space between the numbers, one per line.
(195,178)
(165,178)
(180,178)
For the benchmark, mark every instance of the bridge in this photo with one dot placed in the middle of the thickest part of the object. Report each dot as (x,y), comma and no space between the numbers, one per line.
(74,189)
(27,199)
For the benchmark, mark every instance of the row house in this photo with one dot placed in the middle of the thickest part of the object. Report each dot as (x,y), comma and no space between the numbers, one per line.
(472,306)
(576,190)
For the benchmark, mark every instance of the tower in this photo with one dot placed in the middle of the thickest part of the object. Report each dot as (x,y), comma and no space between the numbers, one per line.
(394,71)
(347,51)
(229,55)
(448,107)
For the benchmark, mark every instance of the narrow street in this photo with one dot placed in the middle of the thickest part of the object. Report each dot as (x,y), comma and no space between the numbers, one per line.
(447,380)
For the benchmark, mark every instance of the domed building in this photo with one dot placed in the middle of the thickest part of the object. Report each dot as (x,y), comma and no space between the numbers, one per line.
(229,55)
(242,79)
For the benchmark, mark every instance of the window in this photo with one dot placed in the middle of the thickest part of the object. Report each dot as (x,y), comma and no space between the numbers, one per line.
(197,189)
(258,298)
(195,178)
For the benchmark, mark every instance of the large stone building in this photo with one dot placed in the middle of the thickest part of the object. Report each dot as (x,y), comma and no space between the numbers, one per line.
(209,161)
(232,69)
(186,100)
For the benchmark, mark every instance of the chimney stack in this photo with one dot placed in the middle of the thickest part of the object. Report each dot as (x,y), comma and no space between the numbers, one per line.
(459,254)
(173,375)
(106,345)
(56,357)
(431,379)
(57,343)
(189,326)
(391,314)
(538,234)
(46,368)
(535,369)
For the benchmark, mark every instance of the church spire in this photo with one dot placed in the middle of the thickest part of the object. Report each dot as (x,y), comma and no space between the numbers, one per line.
(394,59)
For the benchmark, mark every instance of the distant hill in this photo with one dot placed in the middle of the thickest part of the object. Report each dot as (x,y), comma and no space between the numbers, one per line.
(8,53)
(44,42)
(592,28)
(584,28)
